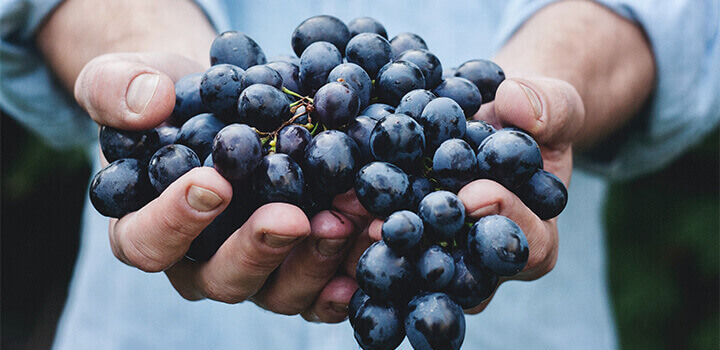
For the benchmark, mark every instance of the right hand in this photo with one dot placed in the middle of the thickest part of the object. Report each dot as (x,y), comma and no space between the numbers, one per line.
(278,259)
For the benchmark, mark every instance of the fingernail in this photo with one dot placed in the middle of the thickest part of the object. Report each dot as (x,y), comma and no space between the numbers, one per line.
(339,308)
(277,241)
(330,247)
(486,210)
(533,98)
(140,91)
(202,199)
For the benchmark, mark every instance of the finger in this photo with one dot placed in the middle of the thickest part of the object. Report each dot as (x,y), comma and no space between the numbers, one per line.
(156,236)
(358,245)
(295,285)
(375,229)
(243,263)
(486,197)
(348,204)
(332,303)
(131,90)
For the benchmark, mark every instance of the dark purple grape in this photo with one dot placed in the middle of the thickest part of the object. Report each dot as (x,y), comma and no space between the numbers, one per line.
(236,151)
(428,63)
(402,232)
(336,104)
(454,165)
(188,102)
(544,194)
(509,157)
(378,110)
(369,51)
(443,214)
(278,179)
(357,300)
(199,132)
(360,131)
(435,268)
(396,79)
(316,63)
(414,102)
(292,141)
(442,119)
(471,284)
(261,75)
(358,79)
(406,41)
(385,275)
(263,106)
(290,73)
(167,134)
(379,326)
(486,75)
(419,188)
(117,144)
(208,161)
(331,160)
(285,58)
(236,48)
(398,139)
(366,25)
(477,131)
(220,88)
(434,321)
(169,163)
(120,188)
(499,245)
(320,28)
(382,188)
(463,91)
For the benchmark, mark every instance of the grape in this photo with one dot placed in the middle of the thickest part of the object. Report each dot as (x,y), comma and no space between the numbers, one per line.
(419,188)
(442,119)
(117,144)
(360,130)
(476,132)
(396,79)
(435,268)
(236,151)
(369,51)
(316,63)
(236,48)
(402,232)
(167,134)
(498,244)
(331,160)
(379,326)
(378,110)
(208,161)
(320,28)
(471,284)
(263,106)
(454,165)
(285,58)
(292,140)
(544,194)
(279,179)
(120,188)
(443,214)
(357,300)
(357,78)
(188,102)
(406,41)
(366,25)
(220,88)
(385,275)
(169,163)
(434,321)
(336,104)
(290,73)
(382,188)
(261,75)
(463,91)
(509,157)
(198,133)
(485,74)
(428,63)
(398,139)
(414,102)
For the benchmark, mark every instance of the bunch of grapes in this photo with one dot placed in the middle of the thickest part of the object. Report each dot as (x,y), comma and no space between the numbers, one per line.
(354,111)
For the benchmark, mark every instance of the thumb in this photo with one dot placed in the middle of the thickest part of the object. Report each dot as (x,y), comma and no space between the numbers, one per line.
(131,90)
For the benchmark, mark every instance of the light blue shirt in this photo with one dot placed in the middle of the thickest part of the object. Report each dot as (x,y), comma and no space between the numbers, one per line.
(114,306)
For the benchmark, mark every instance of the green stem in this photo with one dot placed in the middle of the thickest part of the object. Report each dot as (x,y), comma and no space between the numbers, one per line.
(292,93)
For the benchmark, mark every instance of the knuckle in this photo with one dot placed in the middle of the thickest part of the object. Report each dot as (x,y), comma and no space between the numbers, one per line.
(176,225)
(143,257)
(279,306)
(219,292)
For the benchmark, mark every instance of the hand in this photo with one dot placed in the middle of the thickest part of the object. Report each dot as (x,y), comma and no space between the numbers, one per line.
(278,259)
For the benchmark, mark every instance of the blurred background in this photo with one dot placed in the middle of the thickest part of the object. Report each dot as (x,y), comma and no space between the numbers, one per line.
(663,244)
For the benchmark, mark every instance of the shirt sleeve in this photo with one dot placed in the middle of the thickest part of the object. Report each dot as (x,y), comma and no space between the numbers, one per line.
(685,104)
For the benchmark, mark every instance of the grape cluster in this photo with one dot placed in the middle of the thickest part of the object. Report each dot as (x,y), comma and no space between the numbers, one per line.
(354,111)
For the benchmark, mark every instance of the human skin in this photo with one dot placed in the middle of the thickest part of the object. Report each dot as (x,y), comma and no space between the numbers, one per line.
(576,73)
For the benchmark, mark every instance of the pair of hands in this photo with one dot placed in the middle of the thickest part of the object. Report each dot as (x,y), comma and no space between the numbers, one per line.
(280,259)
